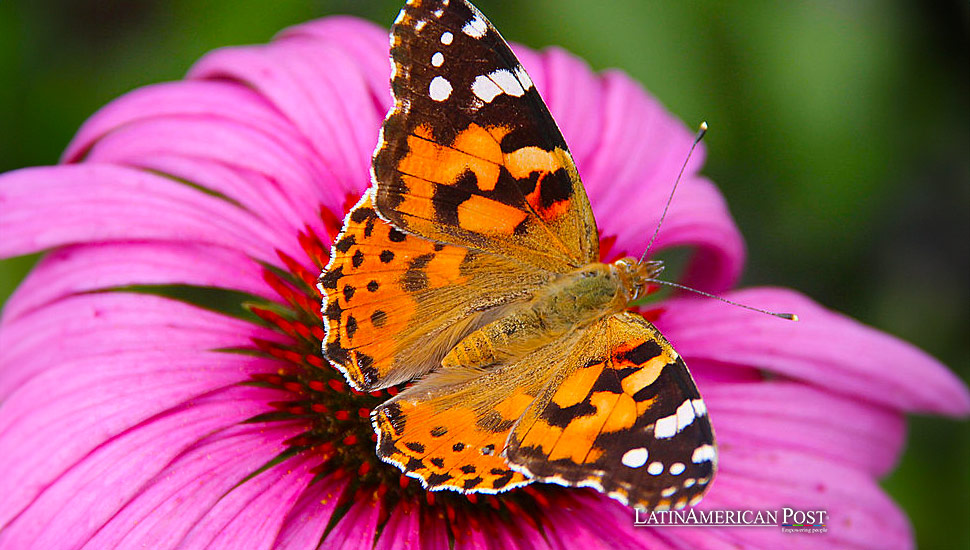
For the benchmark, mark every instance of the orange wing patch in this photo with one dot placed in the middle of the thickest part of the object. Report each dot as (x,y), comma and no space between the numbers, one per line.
(394,304)
(476,190)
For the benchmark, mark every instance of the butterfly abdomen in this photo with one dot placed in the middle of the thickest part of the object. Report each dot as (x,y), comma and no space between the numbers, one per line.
(568,303)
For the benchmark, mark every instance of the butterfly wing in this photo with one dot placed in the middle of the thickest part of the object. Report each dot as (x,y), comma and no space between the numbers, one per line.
(624,417)
(451,428)
(470,155)
(394,304)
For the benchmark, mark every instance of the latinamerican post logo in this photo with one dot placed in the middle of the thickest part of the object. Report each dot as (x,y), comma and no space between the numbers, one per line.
(789,520)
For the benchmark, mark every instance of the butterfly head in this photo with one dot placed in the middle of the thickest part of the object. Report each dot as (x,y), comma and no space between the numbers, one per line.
(636,275)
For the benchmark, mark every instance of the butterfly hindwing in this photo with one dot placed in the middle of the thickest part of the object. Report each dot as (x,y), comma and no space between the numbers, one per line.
(626,418)
(451,428)
(470,154)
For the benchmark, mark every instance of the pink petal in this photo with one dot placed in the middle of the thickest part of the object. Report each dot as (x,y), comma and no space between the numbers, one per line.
(784,415)
(409,528)
(364,41)
(169,506)
(83,268)
(824,349)
(252,514)
(113,324)
(597,522)
(104,203)
(75,505)
(185,99)
(356,529)
(331,105)
(123,369)
(860,515)
(270,174)
(309,517)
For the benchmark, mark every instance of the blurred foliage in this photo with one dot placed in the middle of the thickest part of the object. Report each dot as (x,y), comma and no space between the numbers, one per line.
(840,135)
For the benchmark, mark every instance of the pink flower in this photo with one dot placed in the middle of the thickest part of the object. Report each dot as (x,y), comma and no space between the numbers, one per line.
(162,385)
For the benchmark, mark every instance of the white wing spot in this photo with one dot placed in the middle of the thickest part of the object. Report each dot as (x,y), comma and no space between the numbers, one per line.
(446,38)
(485,89)
(420,25)
(689,482)
(507,81)
(440,88)
(677,468)
(437,59)
(668,491)
(665,427)
(704,453)
(634,458)
(669,426)
(438,12)
(476,28)
(523,77)
(685,415)
(655,468)
(699,407)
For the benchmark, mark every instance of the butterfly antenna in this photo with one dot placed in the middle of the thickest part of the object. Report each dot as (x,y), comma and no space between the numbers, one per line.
(697,139)
(701,130)
(788,316)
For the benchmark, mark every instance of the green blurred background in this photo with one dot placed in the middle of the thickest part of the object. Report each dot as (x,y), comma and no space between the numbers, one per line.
(840,135)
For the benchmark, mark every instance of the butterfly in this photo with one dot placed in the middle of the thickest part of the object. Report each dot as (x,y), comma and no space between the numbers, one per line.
(472,265)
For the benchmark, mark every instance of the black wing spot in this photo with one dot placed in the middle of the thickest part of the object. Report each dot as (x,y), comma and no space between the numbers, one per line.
(415,446)
(552,188)
(438,461)
(344,244)
(373,286)
(349,292)
(395,235)
(458,447)
(333,311)
(495,422)
(501,482)
(351,325)
(562,416)
(642,353)
(387,256)
(415,279)
(378,318)
(438,479)
(438,431)
(357,258)
(361,214)
(330,278)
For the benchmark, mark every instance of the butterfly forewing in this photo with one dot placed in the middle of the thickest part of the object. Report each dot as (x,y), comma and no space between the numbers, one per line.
(470,154)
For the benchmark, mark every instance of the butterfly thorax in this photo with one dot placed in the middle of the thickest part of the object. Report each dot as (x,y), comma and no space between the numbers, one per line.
(570,302)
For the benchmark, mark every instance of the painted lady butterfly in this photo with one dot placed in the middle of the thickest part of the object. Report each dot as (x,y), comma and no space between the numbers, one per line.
(473,263)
